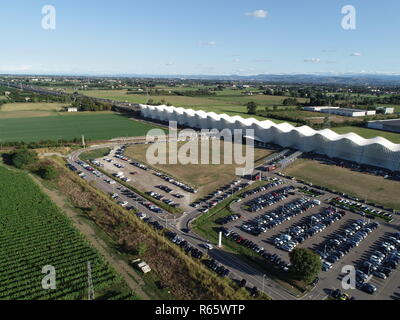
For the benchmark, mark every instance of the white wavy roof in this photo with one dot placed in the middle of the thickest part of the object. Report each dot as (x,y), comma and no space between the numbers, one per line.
(282,127)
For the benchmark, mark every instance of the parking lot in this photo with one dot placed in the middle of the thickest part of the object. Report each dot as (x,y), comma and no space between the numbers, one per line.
(145,179)
(301,220)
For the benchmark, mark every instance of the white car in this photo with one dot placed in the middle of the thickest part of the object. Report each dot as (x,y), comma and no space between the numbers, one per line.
(208,246)
(123,203)
(326,266)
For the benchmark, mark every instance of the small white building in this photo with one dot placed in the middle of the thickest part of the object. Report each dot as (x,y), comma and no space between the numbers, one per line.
(385,110)
(71,109)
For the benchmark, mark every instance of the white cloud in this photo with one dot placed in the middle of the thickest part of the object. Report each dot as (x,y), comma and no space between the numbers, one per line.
(356,54)
(260,14)
(207,43)
(313,60)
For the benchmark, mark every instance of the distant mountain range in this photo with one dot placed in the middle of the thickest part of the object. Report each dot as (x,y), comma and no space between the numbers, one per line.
(345,79)
(339,79)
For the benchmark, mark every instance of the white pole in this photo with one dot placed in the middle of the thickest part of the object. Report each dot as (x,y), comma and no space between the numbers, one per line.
(220,240)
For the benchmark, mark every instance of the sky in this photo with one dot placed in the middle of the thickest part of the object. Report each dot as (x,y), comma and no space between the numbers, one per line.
(208,37)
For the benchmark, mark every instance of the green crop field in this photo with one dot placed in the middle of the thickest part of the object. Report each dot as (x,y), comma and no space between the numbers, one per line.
(95,126)
(35,234)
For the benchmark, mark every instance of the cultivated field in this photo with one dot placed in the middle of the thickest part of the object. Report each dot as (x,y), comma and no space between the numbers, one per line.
(364,186)
(95,126)
(34,234)
(206,178)
(27,110)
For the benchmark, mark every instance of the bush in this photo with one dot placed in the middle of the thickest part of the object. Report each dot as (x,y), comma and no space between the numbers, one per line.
(47,172)
(24,158)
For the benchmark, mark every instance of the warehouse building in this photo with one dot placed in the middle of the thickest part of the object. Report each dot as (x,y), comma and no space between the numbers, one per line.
(342,111)
(377,152)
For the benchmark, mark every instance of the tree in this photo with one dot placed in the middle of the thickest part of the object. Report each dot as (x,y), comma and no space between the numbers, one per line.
(47,172)
(251,107)
(290,102)
(305,264)
(24,158)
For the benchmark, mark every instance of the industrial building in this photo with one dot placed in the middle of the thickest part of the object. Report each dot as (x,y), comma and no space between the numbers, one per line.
(376,152)
(342,111)
(385,125)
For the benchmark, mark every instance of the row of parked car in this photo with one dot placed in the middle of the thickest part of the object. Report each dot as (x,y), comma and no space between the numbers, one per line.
(216,267)
(270,220)
(194,252)
(360,208)
(174,182)
(341,244)
(169,190)
(382,261)
(269,199)
(272,258)
(274,183)
(216,197)
(228,219)
(89,169)
(149,205)
(301,232)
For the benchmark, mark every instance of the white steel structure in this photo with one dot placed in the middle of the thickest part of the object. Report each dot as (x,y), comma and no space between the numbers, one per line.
(377,151)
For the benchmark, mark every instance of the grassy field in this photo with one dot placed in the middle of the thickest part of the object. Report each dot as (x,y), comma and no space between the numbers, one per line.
(26,110)
(34,234)
(364,186)
(230,102)
(369,133)
(205,177)
(95,126)
(94,154)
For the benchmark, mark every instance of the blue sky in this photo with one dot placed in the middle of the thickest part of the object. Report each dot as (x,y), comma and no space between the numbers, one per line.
(200,37)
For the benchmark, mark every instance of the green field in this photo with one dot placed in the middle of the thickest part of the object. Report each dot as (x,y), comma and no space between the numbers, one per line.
(95,126)
(361,185)
(229,101)
(26,110)
(369,133)
(34,234)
